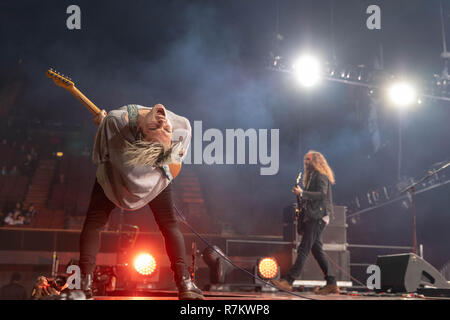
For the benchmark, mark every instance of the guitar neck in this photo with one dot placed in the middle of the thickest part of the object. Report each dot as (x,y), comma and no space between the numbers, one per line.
(85,101)
(67,84)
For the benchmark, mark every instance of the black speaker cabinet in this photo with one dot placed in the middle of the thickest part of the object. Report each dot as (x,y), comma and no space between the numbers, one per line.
(289,229)
(335,232)
(407,273)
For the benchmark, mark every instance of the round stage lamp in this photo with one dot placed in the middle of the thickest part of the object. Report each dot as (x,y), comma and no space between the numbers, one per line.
(402,94)
(145,264)
(218,266)
(307,70)
(268,268)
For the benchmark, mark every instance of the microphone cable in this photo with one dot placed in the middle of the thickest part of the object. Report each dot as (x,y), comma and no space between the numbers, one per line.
(183,218)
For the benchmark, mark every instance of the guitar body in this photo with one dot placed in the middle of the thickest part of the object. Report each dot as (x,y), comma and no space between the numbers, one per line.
(64,82)
(299,208)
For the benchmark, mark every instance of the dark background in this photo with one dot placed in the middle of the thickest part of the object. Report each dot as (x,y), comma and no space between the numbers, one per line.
(207,60)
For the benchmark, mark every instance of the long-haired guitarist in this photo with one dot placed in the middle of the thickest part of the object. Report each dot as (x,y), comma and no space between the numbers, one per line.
(133,149)
(317,206)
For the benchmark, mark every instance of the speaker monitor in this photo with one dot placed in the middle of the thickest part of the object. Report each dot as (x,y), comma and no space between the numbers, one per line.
(407,273)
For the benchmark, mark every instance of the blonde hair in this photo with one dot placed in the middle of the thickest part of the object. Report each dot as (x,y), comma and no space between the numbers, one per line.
(320,164)
(147,153)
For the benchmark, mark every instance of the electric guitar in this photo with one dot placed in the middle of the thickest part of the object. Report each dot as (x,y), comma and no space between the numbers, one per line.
(299,207)
(65,82)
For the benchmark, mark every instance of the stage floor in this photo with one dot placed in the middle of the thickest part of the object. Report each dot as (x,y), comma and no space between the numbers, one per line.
(211,295)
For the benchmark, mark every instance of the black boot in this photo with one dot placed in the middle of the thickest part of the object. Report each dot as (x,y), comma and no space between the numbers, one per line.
(187,290)
(86,285)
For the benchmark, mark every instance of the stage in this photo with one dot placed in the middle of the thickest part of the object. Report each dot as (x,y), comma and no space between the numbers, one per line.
(214,295)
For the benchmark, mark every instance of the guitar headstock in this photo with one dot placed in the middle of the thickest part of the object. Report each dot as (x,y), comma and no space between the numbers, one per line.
(299,177)
(60,79)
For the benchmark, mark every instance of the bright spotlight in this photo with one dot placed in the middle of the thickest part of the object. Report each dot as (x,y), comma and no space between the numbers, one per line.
(145,264)
(402,94)
(307,70)
(268,268)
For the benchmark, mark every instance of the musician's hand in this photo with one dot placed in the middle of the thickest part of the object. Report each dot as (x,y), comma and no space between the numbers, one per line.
(99,117)
(297,190)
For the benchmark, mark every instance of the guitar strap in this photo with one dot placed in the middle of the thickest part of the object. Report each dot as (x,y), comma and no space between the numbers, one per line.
(309,180)
(133,121)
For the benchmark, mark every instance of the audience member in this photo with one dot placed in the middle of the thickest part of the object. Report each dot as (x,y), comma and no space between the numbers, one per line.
(30,214)
(18,214)
(13,290)
(9,220)
(18,218)
(4,171)
(18,207)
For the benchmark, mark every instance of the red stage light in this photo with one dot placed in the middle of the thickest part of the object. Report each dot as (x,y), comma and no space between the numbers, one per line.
(268,268)
(145,264)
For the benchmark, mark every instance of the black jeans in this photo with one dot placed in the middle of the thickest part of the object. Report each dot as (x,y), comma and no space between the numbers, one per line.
(97,216)
(311,241)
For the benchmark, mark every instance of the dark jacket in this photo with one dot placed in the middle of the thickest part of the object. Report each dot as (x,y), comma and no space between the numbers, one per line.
(317,197)
(13,291)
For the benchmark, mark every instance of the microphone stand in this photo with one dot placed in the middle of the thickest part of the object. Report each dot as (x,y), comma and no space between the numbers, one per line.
(412,189)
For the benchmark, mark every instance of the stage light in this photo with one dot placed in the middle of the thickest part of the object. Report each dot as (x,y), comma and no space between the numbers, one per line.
(145,264)
(218,266)
(59,154)
(268,268)
(402,94)
(307,70)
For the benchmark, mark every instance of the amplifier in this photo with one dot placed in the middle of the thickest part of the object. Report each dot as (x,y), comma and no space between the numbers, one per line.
(335,231)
